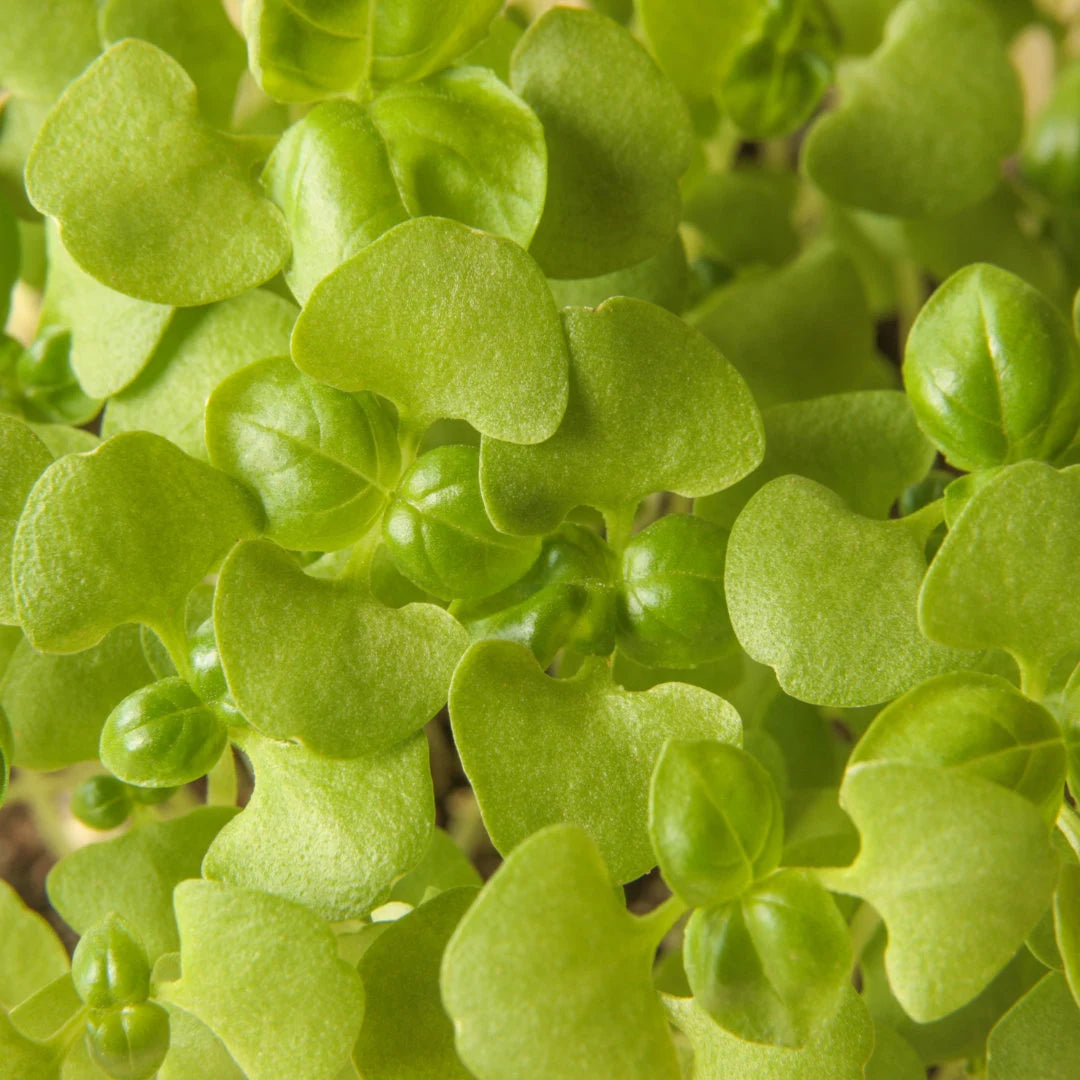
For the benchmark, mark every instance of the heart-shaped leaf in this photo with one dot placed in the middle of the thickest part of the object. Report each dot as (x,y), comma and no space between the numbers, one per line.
(332,835)
(320,460)
(979,725)
(827,597)
(533,747)
(452,357)
(520,982)
(633,367)
(837,1051)
(134,876)
(151,520)
(324,663)
(957,909)
(183,222)
(864,445)
(943,66)
(1039,1036)
(201,348)
(618,139)
(235,948)
(1005,574)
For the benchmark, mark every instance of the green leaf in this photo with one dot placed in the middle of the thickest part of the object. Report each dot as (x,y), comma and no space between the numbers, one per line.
(109,966)
(942,67)
(183,223)
(959,908)
(1067,923)
(1039,1036)
(62,439)
(864,445)
(992,371)
(406,1034)
(439,535)
(616,442)
(506,375)
(618,139)
(25,1058)
(671,606)
(33,955)
(195,1052)
(201,348)
(462,145)
(149,519)
(893,1057)
(320,460)
(332,835)
(798,332)
(198,33)
(696,43)
(163,735)
(25,458)
(324,663)
(235,947)
(20,120)
(836,1052)
(771,965)
(1004,575)
(533,748)
(979,725)
(520,981)
(113,336)
(58,705)
(839,632)
(443,866)
(134,876)
(49,389)
(102,802)
(10,257)
(128,1042)
(45,45)
(1049,159)
(715,820)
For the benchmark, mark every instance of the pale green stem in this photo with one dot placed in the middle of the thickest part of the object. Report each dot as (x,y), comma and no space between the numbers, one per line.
(221,784)
(910,295)
(174,638)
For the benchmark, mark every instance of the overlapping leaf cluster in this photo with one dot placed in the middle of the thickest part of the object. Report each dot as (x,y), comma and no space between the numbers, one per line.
(446,355)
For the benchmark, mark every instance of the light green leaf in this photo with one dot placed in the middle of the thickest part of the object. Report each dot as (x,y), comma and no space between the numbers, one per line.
(198,33)
(992,371)
(184,222)
(149,519)
(770,966)
(979,725)
(200,349)
(25,1058)
(864,445)
(1067,923)
(134,876)
(504,373)
(7,749)
(942,66)
(45,45)
(20,120)
(332,835)
(324,663)
(893,1057)
(10,257)
(58,705)
(25,458)
(443,866)
(320,460)
(463,146)
(618,138)
(113,336)
(62,439)
(1005,574)
(695,43)
(520,981)
(837,1052)
(533,748)
(330,174)
(828,597)
(715,820)
(236,947)
(1039,1036)
(406,1034)
(957,909)
(633,367)
(32,956)
(798,332)
(195,1052)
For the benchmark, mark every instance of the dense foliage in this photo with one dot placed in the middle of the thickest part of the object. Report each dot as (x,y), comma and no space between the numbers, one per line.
(685,395)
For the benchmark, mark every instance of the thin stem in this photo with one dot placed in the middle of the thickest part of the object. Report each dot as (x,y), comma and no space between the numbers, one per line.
(221,784)
(174,637)
(910,294)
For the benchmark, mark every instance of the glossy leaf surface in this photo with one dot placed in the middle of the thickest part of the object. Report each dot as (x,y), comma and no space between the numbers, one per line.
(616,442)
(360,677)
(109,965)
(418,305)
(188,225)
(533,747)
